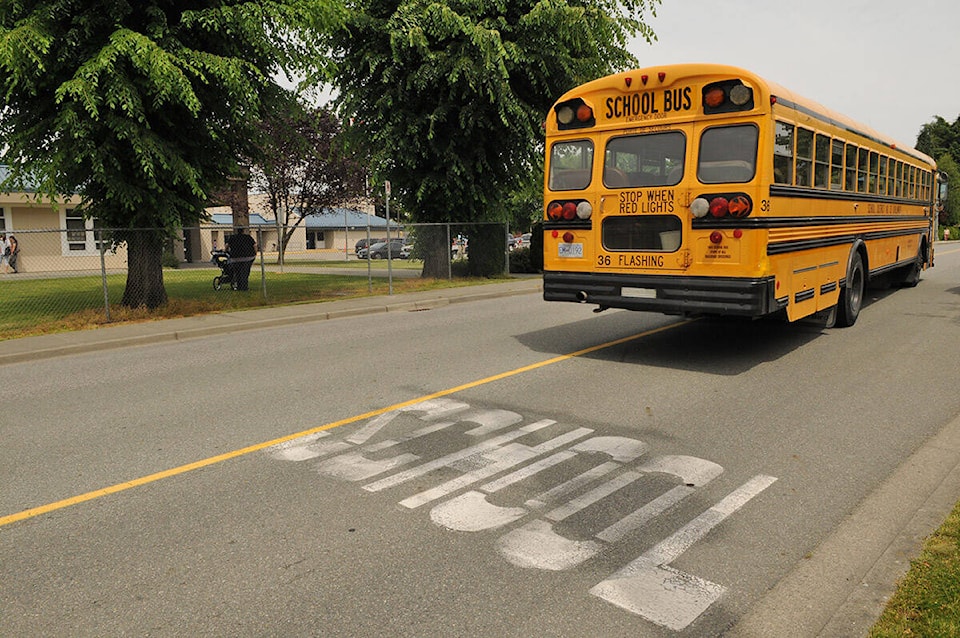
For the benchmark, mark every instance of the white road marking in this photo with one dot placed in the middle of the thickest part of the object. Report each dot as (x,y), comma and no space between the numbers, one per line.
(450,459)
(500,460)
(648,587)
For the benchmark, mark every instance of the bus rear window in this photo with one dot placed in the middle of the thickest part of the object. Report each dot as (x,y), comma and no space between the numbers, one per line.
(728,154)
(658,233)
(571,164)
(654,159)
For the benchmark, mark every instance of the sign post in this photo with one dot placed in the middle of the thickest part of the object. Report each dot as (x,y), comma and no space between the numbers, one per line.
(386,191)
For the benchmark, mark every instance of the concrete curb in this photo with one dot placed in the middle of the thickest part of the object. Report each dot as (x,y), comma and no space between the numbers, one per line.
(842,587)
(181,329)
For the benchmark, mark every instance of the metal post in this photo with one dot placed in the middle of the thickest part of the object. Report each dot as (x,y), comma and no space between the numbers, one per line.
(386,190)
(103,272)
(506,250)
(263,270)
(449,255)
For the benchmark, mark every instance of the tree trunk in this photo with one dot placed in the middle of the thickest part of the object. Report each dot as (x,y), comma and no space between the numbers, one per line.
(434,246)
(144,271)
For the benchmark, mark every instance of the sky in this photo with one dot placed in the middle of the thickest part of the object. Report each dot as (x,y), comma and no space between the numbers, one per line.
(889,64)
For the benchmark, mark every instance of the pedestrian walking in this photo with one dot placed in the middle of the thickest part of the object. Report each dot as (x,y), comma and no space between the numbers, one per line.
(12,252)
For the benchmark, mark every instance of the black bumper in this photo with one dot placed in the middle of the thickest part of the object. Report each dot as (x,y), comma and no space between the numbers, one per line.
(673,295)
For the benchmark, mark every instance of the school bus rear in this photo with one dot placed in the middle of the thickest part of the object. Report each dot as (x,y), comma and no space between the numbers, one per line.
(652,177)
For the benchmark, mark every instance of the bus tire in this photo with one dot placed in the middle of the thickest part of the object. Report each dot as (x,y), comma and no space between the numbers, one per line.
(851,296)
(911,276)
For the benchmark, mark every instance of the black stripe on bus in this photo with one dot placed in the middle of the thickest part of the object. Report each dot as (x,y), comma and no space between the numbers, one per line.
(577,224)
(830,287)
(801,222)
(803,295)
(781,248)
(846,127)
(783,190)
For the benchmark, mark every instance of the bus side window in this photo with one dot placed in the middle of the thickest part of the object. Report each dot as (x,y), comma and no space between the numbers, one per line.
(783,154)
(804,157)
(836,166)
(850,180)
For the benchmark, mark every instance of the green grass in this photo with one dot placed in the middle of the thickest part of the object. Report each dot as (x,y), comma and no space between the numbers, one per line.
(927,600)
(40,306)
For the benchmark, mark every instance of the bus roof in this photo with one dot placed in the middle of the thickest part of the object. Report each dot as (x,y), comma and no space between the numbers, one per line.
(784,96)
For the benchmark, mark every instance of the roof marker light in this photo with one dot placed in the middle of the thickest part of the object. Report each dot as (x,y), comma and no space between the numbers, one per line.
(644,78)
(662,76)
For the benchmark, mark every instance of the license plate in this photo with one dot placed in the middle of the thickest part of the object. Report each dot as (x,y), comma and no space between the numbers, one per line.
(641,293)
(570,250)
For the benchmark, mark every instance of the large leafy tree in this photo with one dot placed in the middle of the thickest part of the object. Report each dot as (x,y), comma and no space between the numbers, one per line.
(143,108)
(450,96)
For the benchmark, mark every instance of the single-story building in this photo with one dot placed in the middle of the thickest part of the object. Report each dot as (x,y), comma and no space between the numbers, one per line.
(53,237)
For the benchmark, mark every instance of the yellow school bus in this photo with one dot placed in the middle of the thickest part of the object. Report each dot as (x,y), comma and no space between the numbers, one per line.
(702,189)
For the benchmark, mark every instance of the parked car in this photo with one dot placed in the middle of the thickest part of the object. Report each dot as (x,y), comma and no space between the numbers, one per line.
(379,250)
(363,244)
(524,241)
(406,251)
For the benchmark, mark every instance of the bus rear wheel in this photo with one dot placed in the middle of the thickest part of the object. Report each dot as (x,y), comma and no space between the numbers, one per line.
(911,276)
(851,297)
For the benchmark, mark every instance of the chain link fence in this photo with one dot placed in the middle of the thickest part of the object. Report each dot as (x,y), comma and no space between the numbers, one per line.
(76,277)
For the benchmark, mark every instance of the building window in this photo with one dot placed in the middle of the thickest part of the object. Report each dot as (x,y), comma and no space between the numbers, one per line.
(80,237)
(76,232)
(3,221)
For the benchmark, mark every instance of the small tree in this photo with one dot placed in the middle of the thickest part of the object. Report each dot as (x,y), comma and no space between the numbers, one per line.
(304,168)
(941,140)
(950,215)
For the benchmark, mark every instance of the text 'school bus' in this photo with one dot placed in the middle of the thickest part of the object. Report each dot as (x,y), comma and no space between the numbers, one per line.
(703,189)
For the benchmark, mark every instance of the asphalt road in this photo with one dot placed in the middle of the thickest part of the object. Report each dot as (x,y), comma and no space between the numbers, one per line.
(500,467)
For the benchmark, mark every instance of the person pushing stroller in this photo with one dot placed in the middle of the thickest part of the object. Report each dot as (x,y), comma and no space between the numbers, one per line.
(242,250)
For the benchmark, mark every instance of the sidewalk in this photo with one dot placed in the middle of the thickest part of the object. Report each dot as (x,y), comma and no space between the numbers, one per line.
(55,345)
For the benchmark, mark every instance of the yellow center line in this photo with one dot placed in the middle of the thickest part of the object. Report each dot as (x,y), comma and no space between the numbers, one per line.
(196,465)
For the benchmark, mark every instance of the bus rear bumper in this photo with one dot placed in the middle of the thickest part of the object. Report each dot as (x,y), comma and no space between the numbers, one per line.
(670,295)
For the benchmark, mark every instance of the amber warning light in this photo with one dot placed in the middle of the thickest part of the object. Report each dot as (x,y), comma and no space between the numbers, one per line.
(573,114)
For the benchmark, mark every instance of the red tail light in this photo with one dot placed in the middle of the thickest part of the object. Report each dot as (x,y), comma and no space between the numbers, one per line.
(719,206)
(722,205)
(555,211)
(569,210)
(716,237)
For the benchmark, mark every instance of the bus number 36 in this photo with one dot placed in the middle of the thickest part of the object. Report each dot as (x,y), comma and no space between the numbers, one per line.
(603,260)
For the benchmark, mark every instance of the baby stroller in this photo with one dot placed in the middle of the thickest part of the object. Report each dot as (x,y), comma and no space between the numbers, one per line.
(221,259)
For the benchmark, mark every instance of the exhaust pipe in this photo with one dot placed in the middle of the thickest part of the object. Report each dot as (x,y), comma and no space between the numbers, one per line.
(582,296)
